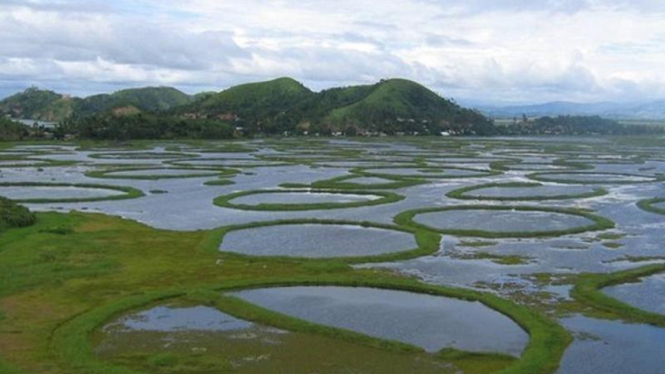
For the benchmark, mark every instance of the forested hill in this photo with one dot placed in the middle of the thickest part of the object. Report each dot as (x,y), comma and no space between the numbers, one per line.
(285,105)
(45,105)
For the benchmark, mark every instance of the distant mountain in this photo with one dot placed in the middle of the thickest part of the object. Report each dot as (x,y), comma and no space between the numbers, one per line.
(644,111)
(46,105)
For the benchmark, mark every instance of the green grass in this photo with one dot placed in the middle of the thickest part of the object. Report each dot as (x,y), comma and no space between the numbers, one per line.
(599,223)
(461,193)
(130,192)
(226,201)
(588,291)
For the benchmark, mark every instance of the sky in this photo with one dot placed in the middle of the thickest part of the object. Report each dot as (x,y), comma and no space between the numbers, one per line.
(489,52)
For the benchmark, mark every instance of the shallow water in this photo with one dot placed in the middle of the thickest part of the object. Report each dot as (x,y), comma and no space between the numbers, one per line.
(647,294)
(430,322)
(44,192)
(161,172)
(500,220)
(168,318)
(612,347)
(312,240)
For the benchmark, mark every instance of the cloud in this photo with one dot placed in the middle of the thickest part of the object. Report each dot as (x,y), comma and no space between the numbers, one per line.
(498,51)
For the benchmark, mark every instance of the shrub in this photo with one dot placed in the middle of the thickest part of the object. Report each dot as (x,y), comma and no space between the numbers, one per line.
(14,215)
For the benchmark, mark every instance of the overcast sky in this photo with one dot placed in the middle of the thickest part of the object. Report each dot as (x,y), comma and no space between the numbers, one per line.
(477,51)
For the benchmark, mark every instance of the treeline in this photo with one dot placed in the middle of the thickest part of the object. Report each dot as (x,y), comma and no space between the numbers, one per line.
(143,126)
(576,125)
(10,130)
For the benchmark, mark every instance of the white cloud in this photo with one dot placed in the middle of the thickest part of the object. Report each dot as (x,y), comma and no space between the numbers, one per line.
(477,50)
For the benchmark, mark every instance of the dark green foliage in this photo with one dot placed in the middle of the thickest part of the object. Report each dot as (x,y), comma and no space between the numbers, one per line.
(147,126)
(10,130)
(14,215)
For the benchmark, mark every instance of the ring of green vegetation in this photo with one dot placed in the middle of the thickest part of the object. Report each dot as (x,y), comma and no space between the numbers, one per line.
(539,177)
(141,155)
(182,163)
(38,163)
(341,183)
(106,173)
(130,192)
(428,242)
(460,193)
(480,173)
(588,290)
(386,197)
(219,182)
(566,165)
(649,205)
(599,223)
(74,349)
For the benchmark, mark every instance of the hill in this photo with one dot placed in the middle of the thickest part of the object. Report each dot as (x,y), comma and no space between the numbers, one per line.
(46,105)
(151,99)
(401,105)
(255,104)
(33,103)
(285,105)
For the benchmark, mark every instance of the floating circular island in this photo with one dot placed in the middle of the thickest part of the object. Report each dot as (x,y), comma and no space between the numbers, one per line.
(327,239)
(524,191)
(592,178)
(503,221)
(655,205)
(37,192)
(291,200)
(157,173)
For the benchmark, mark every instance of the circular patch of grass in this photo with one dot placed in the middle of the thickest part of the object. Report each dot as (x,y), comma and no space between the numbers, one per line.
(598,222)
(427,241)
(129,192)
(345,183)
(475,173)
(461,193)
(226,200)
(542,177)
(107,173)
(141,155)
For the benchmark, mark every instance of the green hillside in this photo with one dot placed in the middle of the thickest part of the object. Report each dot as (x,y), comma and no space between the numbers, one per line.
(403,104)
(151,99)
(37,104)
(45,105)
